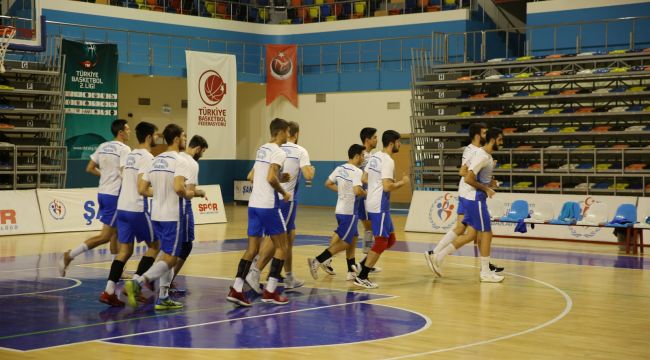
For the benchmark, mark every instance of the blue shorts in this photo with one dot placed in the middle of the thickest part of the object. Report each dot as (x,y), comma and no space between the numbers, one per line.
(362,214)
(132,226)
(171,236)
(289,214)
(347,227)
(476,214)
(189,224)
(265,222)
(461,209)
(107,209)
(382,225)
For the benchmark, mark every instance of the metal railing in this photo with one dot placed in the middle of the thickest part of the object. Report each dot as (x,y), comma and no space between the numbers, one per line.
(479,46)
(260,12)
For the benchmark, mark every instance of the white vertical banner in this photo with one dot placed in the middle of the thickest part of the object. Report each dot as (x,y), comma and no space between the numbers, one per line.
(212,101)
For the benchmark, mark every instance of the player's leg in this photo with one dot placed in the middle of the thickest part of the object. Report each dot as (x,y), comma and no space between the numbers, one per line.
(485,238)
(275,226)
(291,281)
(185,252)
(382,229)
(341,240)
(255,234)
(263,256)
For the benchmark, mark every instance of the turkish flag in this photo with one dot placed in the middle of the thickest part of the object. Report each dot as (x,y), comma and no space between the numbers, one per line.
(281,73)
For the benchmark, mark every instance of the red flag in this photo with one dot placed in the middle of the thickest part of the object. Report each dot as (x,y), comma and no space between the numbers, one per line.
(281,73)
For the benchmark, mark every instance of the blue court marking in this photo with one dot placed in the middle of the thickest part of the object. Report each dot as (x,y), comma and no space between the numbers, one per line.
(75,316)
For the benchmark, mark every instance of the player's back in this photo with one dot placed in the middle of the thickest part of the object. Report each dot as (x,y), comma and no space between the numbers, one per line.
(484,160)
(468,154)
(110,157)
(263,195)
(166,204)
(380,166)
(130,199)
(346,177)
(297,157)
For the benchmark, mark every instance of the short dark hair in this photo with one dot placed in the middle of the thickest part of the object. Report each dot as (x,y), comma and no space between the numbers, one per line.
(294,128)
(493,133)
(198,140)
(171,132)
(367,133)
(278,125)
(144,129)
(389,136)
(475,129)
(117,126)
(355,150)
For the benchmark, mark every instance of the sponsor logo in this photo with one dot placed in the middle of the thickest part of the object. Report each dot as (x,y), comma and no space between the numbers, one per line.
(90,56)
(160,164)
(89,212)
(281,66)
(8,220)
(585,232)
(442,212)
(57,209)
(208,207)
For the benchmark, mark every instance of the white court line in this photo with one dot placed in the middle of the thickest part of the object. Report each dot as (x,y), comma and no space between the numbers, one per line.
(77,283)
(567,309)
(28,269)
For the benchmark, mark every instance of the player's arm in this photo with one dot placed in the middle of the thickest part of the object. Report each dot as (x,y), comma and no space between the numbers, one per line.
(392,185)
(331,185)
(251,175)
(463,170)
(359,192)
(197,192)
(274,181)
(93,168)
(308,172)
(181,190)
(144,187)
(364,178)
(470,179)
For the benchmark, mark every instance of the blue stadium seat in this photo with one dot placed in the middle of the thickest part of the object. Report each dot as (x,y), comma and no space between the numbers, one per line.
(625,216)
(518,211)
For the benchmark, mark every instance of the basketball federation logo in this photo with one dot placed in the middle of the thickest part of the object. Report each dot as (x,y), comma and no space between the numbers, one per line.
(57,209)
(212,88)
(90,56)
(281,66)
(442,211)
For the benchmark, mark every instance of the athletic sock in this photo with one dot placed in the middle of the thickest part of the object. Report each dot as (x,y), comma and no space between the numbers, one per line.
(364,271)
(155,272)
(78,250)
(110,287)
(242,270)
(324,256)
(274,274)
(144,265)
(446,240)
(444,252)
(117,267)
(351,263)
(485,264)
(165,281)
(238,285)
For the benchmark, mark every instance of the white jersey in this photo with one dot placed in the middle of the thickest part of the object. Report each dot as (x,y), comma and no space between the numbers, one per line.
(110,157)
(166,204)
(193,168)
(380,166)
(366,157)
(263,195)
(297,157)
(482,166)
(468,154)
(137,162)
(346,177)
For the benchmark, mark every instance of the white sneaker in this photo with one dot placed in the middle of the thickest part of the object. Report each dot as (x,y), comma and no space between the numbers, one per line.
(291,282)
(491,277)
(366,283)
(313,267)
(253,280)
(327,267)
(435,266)
(429,261)
(350,276)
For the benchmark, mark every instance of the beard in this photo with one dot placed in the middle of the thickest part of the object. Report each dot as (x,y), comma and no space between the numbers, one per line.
(395,150)
(197,156)
(495,147)
(483,142)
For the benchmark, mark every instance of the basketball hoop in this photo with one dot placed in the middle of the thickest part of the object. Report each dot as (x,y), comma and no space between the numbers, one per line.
(6,34)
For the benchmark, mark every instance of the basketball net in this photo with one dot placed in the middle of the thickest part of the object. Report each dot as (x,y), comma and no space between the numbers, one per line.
(6,34)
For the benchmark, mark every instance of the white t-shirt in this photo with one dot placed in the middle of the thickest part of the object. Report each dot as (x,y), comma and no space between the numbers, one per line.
(194,175)
(468,154)
(263,195)
(137,161)
(482,166)
(110,157)
(166,204)
(380,166)
(366,157)
(297,157)
(346,177)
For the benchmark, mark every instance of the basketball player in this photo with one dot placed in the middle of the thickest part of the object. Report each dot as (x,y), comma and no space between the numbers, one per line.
(346,181)
(296,166)
(133,220)
(477,139)
(379,172)
(107,163)
(165,182)
(265,216)
(474,193)
(191,155)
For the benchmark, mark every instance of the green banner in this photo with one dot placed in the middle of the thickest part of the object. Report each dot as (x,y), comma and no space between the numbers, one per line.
(90,95)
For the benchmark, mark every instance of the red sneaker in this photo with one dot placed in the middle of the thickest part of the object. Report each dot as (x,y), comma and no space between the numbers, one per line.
(111,300)
(237,298)
(274,298)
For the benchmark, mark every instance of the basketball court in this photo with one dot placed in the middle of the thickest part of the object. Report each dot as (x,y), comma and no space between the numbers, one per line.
(557,298)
